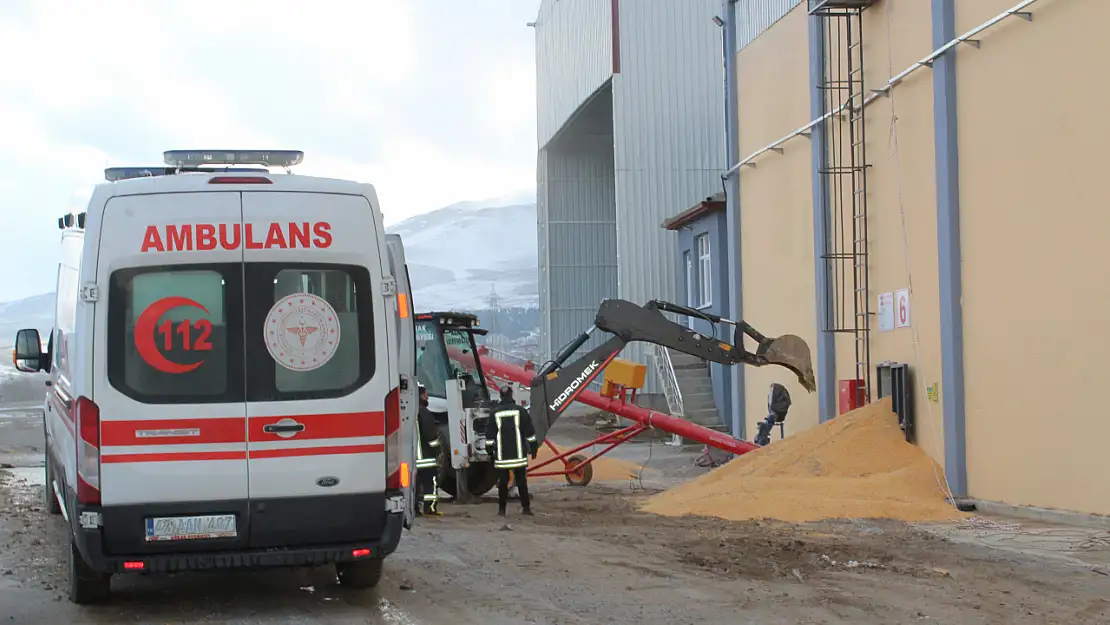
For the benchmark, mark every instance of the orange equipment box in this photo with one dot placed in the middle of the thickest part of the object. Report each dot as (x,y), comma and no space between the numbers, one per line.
(625,373)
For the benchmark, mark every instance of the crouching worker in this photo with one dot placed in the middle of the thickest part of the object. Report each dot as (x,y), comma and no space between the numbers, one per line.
(510,439)
(427,460)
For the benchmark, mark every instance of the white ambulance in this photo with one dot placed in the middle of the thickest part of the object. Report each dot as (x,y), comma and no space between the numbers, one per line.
(232,373)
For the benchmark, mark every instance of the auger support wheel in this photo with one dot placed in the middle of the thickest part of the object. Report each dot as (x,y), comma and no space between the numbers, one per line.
(579,473)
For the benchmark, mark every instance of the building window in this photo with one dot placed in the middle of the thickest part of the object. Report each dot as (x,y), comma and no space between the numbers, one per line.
(705,279)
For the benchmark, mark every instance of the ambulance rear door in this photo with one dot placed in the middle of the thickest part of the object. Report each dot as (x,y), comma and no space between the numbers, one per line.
(318,368)
(167,359)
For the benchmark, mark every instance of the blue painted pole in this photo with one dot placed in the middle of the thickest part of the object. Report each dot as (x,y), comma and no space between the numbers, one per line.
(732,211)
(825,367)
(946,149)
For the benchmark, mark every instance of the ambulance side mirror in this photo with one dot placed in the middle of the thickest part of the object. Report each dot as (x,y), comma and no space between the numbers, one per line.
(28,356)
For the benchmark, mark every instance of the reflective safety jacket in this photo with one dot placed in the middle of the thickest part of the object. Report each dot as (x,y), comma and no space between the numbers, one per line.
(427,432)
(510,436)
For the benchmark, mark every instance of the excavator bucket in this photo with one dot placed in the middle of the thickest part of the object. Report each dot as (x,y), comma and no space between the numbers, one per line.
(791,351)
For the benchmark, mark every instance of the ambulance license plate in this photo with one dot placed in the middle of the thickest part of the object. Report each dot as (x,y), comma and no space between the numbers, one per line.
(190,527)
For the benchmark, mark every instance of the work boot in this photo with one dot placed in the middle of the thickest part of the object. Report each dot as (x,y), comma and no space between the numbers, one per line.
(528,512)
(500,512)
(432,509)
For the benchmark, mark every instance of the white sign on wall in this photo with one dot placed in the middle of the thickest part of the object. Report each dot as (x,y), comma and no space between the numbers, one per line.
(886,312)
(902,308)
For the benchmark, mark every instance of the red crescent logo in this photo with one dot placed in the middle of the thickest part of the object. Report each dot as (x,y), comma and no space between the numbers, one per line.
(145,342)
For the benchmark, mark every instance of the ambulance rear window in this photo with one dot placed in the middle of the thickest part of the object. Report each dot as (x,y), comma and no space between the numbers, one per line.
(172,337)
(310,330)
(240,332)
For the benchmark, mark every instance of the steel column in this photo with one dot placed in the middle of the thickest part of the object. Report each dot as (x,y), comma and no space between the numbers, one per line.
(826,341)
(946,151)
(732,212)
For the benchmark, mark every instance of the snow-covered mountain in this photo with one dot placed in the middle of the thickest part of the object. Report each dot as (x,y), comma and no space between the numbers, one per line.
(32,312)
(460,253)
(457,255)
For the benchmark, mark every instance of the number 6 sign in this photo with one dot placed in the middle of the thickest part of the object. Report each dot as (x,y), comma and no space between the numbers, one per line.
(902,308)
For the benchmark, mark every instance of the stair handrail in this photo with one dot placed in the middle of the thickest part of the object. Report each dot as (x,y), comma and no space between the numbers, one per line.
(664,368)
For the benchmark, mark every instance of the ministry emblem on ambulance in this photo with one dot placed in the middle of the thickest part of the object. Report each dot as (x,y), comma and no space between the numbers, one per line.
(302,332)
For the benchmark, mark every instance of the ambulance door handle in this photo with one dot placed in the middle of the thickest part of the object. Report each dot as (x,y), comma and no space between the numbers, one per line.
(283,428)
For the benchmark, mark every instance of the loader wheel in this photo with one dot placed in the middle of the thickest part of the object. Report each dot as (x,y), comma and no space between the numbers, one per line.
(361,574)
(579,474)
(480,479)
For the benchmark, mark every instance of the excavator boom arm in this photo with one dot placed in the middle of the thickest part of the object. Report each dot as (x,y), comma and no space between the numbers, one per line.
(555,386)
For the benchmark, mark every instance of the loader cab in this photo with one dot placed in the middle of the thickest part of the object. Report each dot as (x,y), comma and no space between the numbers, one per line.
(446,349)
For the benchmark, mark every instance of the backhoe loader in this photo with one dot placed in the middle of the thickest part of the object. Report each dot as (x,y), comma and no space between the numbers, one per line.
(554,387)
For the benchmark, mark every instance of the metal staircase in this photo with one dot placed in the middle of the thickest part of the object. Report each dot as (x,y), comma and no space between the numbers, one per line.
(687,388)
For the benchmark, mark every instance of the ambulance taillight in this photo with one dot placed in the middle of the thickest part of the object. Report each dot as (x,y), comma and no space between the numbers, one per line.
(393,439)
(87,418)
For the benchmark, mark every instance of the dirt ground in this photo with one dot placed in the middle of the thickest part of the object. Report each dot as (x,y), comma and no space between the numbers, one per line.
(590,556)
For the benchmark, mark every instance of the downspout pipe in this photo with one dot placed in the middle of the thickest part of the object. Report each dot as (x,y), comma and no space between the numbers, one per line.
(949,261)
(732,211)
(826,341)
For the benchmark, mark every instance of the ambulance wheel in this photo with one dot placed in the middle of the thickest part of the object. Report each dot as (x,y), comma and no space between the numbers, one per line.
(361,574)
(49,500)
(85,584)
(579,474)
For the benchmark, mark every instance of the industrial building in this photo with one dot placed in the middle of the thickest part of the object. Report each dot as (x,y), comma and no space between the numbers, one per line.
(911,186)
(630,129)
(917,192)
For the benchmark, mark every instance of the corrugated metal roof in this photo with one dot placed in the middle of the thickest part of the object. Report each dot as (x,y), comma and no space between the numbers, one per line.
(754,17)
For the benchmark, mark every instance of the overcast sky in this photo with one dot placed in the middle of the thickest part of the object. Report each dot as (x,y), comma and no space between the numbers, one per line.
(433,101)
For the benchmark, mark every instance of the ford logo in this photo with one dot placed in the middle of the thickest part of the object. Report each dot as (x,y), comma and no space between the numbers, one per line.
(327,482)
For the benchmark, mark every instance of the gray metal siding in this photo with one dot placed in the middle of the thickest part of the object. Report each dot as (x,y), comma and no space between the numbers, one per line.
(578,261)
(574,57)
(754,17)
(669,130)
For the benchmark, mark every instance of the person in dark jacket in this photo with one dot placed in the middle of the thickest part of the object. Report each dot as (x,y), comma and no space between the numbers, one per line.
(510,439)
(427,461)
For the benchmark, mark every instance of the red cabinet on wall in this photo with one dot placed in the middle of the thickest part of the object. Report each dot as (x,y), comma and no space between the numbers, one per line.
(851,395)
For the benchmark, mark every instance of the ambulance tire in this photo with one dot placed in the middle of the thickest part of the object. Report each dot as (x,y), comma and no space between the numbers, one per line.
(86,586)
(361,574)
(49,499)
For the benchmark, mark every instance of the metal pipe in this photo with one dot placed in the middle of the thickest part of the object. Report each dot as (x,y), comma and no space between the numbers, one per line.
(650,418)
(612,440)
(967,37)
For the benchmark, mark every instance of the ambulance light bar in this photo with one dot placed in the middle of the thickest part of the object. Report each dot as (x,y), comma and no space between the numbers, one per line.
(195,158)
(115,174)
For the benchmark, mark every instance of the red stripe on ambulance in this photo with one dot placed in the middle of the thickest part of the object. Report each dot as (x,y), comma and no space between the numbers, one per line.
(173,432)
(234,430)
(320,426)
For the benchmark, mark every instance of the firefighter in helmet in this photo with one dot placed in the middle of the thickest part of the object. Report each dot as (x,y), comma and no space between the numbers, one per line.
(510,439)
(427,461)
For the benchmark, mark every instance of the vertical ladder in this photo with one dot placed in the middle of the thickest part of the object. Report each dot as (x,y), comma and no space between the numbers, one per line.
(845,179)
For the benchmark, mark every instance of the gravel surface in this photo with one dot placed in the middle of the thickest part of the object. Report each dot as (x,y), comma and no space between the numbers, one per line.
(589,556)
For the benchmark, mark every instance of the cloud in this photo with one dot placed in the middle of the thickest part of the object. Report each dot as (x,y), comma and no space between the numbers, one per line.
(431,104)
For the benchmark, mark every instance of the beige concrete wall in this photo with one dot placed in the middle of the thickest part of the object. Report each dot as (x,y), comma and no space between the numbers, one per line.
(1033,128)
(776,214)
(901,208)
